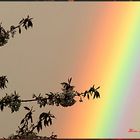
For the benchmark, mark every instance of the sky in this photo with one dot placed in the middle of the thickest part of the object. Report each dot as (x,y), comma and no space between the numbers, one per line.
(92,42)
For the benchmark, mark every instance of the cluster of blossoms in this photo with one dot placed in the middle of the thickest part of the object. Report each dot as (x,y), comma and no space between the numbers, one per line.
(64,98)
(4,36)
(12,101)
(67,96)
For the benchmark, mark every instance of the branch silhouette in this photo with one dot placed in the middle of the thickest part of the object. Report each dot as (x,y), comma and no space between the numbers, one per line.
(66,98)
(6,34)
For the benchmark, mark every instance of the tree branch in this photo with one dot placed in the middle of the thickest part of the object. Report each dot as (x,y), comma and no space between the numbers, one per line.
(29,100)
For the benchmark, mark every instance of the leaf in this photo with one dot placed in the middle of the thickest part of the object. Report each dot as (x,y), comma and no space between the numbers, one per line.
(34,96)
(30,115)
(51,93)
(21,21)
(19,30)
(69,80)
(97,95)
(30,24)
(42,115)
(2,107)
(12,28)
(15,92)
(22,121)
(91,89)
(52,116)
(85,93)
(25,21)
(25,107)
(94,96)
(45,122)
(31,119)
(26,116)
(91,93)
(25,27)
(40,125)
(38,128)
(49,112)
(50,120)
(12,110)
(64,83)
(88,96)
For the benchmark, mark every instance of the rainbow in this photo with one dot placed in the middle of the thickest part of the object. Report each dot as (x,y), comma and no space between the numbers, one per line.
(111,59)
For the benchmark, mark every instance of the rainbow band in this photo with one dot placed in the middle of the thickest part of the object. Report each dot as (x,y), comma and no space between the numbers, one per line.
(111,61)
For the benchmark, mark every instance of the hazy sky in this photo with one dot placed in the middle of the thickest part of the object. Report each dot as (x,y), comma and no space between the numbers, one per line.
(86,41)
(39,59)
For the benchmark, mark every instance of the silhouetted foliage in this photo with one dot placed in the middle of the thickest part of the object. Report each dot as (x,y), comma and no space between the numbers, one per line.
(91,91)
(5,34)
(3,81)
(27,126)
(12,101)
(66,98)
